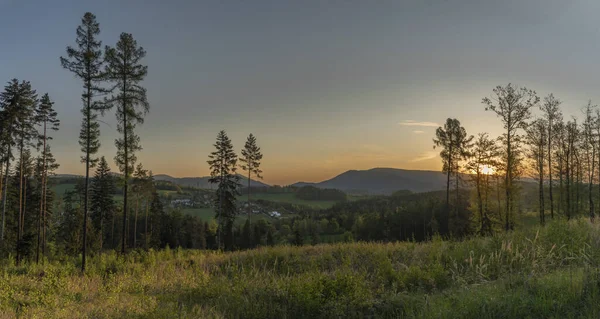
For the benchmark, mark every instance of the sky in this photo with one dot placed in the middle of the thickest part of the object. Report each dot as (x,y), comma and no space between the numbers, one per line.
(325,86)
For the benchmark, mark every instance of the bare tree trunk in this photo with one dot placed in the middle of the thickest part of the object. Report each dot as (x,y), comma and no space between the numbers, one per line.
(249,208)
(137,204)
(4,194)
(42,198)
(19,234)
(591,182)
(146,226)
(507,183)
(550,167)
(480,201)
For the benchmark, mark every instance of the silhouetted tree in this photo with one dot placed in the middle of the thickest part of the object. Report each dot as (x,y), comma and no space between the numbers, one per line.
(455,144)
(482,163)
(102,205)
(125,70)
(19,102)
(589,145)
(513,106)
(552,114)
(222,164)
(86,62)
(251,157)
(47,117)
(537,140)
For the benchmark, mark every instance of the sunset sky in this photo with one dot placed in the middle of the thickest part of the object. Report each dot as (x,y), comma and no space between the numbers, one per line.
(326,86)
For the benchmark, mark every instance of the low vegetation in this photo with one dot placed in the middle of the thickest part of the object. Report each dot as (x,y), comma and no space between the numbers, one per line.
(537,272)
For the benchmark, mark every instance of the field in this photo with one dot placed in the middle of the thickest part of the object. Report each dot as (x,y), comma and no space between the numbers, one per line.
(549,272)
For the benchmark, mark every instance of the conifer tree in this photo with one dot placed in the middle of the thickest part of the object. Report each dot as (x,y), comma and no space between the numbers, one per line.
(222,164)
(125,71)
(18,103)
(47,165)
(251,157)
(102,205)
(47,118)
(86,62)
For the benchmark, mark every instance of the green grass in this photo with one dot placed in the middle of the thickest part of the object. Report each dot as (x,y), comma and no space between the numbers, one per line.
(549,272)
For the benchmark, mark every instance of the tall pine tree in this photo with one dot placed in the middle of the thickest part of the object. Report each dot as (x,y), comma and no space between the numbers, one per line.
(86,62)
(102,205)
(222,164)
(47,117)
(251,157)
(125,71)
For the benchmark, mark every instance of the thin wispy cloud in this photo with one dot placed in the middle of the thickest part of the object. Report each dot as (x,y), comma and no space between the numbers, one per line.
(416,123)
(418,132)
(425,156)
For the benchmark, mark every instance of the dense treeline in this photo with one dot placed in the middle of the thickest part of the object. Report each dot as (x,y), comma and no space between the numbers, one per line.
(314,193)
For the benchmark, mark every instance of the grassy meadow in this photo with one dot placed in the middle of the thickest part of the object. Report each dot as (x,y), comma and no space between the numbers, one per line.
(535,272)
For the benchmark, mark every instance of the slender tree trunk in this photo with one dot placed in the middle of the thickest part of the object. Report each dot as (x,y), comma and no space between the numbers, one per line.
(541,185)
(498,197)
(448,173)
(18,257)
(146,226)
(507,183)
(42,198)
(560,186)
(44,225)
(591,182)
(486,194)
(568,185)
(480,201)
(579,177)
(550,167)
(112,232)
(126,168)
(137,204)
(249,208)
(1,196)
(87,174)
(4,195)
(25,177)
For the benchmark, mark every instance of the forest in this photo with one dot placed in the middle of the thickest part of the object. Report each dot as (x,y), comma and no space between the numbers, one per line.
(514,230)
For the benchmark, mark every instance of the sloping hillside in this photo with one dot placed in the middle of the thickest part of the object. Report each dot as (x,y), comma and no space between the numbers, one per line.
(384,181)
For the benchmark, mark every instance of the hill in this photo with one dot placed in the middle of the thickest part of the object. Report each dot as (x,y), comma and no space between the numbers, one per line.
(202,182)
(384,181)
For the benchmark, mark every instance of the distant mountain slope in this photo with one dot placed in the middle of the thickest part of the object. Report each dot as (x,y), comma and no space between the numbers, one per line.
(202,182)
(384,181)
